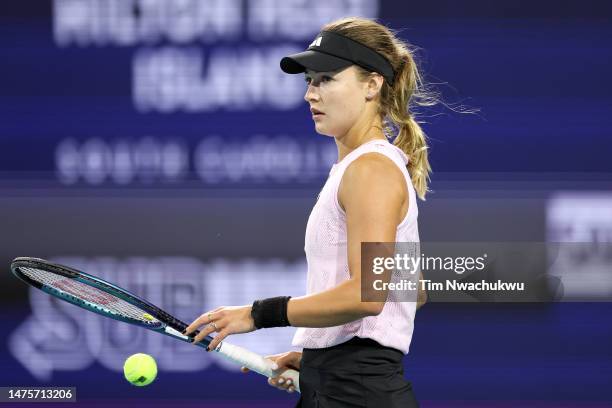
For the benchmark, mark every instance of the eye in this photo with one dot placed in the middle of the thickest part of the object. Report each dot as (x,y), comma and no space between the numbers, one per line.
(326,78)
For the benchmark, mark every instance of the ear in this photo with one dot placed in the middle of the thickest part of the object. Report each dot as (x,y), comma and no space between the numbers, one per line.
(373,86)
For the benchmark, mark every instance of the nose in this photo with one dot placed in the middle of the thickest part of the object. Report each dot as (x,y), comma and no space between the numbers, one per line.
(311,94)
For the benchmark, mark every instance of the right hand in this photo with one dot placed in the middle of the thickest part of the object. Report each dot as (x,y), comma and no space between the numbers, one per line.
(284,361)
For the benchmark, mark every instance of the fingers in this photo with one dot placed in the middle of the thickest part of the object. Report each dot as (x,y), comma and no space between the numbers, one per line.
(283,361)
(218,339)
(207,330)
(226,320)
(205,318)
(285,384)
(212,322)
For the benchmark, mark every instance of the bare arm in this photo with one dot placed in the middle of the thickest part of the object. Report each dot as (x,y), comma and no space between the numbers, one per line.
(372,193)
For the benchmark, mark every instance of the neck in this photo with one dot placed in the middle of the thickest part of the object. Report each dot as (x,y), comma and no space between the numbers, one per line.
(358,135)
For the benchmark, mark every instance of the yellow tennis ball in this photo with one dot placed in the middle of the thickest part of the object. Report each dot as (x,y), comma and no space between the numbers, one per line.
(140,369)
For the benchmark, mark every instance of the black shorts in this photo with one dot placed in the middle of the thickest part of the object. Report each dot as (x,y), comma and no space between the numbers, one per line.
(357,373)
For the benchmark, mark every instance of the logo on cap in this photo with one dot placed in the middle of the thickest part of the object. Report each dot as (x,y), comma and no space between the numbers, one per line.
(316,42)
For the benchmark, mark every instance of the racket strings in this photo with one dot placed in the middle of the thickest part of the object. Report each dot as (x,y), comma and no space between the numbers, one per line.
(95,297)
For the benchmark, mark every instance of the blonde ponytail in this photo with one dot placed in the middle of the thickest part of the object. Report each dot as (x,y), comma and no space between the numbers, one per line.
(412,140)
(409,90)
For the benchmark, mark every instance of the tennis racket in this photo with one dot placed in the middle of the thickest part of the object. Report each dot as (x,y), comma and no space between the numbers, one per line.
(106,299)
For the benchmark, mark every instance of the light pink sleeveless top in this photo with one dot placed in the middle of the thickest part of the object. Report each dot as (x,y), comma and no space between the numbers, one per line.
(326,255)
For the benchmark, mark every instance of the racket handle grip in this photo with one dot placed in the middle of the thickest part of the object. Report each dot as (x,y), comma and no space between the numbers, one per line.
(255,362)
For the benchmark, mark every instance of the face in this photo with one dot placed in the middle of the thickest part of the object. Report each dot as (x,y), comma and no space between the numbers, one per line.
(337,100)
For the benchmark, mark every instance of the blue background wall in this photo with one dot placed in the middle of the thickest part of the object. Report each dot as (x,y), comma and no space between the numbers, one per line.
(91,174)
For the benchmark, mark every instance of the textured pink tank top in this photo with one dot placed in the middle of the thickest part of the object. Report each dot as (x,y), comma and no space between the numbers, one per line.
(326,255)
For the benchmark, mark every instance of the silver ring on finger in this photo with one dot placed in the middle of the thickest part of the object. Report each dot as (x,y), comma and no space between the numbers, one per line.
(213,325)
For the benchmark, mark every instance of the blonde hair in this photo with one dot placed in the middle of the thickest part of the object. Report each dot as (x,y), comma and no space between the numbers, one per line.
(397,100)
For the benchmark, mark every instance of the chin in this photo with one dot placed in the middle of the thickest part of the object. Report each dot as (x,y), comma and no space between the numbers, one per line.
(323,131)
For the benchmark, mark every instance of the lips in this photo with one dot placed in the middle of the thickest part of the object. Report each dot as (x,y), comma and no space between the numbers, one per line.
(316,112)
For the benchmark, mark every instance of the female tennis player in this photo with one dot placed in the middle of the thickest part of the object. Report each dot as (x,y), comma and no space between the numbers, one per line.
(361,82)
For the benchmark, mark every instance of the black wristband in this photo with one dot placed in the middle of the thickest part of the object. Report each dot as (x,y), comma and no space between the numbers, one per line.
(270,312)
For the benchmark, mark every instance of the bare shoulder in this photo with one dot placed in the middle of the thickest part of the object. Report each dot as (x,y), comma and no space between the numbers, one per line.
(371,165)
(372,174)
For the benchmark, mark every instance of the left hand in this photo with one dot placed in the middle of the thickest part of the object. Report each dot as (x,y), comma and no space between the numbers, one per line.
(224,320)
